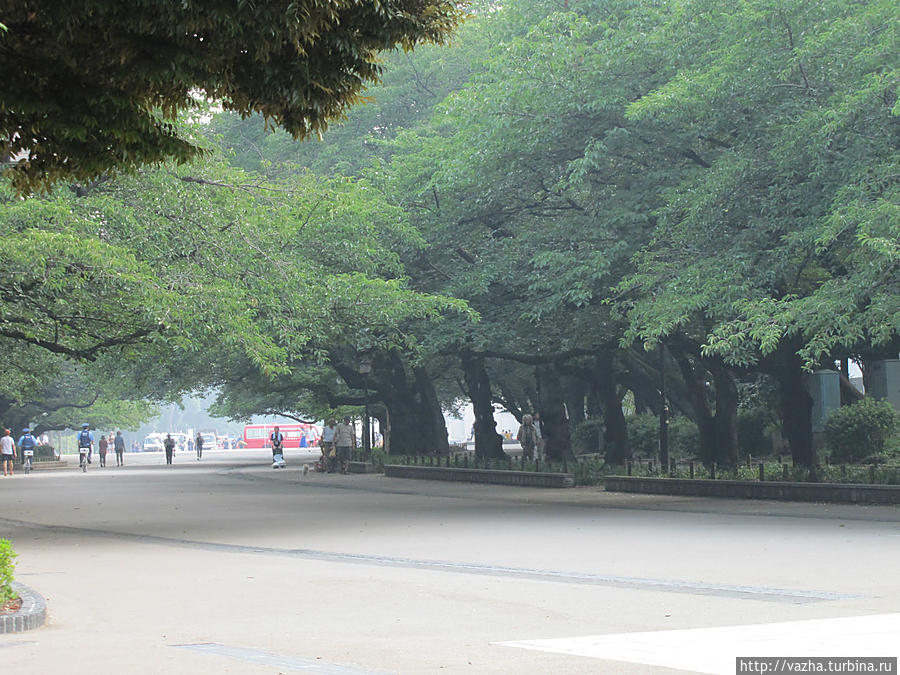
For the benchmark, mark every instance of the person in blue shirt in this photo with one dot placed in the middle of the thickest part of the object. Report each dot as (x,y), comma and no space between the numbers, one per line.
(27,443)
(85,444)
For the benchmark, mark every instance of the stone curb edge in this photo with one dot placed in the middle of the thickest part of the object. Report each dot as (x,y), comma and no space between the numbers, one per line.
(32,613)
(784,491)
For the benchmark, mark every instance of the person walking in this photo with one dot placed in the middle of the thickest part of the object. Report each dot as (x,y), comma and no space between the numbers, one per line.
(85,445)
(119,446)
(527,437)
(198,445)
(344,440)
(329,454)
(103,446)
(7,452)
(169,447)
(277,439)
(540,448)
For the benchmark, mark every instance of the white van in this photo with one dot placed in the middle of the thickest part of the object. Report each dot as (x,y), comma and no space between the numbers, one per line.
(153,443)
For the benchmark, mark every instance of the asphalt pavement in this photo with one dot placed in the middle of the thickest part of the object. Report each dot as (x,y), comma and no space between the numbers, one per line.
(226,565)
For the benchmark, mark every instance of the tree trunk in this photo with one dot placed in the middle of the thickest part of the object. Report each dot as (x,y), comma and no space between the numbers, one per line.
(555,426)
(796,410)
(615,433)
(488,443)
(416,420)
(726,419)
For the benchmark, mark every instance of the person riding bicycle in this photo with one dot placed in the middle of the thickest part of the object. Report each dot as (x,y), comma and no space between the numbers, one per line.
(27,443)
(85,445)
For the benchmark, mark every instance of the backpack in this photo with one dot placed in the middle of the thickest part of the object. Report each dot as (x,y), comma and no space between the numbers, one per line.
(84,439)
(28,442)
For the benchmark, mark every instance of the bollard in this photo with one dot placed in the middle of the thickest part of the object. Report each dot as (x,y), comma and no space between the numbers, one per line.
(691,468)
(784,471)
(762,472)
(537,464)
(628,467)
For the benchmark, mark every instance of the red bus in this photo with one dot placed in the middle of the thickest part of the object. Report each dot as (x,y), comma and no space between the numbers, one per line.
(257,435)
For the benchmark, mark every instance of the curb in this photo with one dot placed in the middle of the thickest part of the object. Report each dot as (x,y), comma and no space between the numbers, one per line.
(783,491)
(32,613)
(491,476)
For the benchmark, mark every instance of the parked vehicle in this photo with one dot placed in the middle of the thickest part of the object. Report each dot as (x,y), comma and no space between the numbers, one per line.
(257,435)
(210,440)
(153,442)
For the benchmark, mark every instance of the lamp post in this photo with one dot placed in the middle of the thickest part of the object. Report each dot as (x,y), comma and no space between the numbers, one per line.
(365,367)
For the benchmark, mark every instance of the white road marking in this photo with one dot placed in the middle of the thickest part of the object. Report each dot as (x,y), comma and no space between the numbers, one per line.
(713,650)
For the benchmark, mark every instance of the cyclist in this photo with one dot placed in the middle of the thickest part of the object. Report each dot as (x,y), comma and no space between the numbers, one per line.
(27,444)
(85,446)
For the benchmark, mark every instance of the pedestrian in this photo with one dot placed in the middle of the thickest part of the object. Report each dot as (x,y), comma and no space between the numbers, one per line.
(169,447)
(277,439)
(329,454)
(540,450)
(103,446)
(344,440)
(120,449)
(527,437)
(7,452)
(85,443)
(199,445)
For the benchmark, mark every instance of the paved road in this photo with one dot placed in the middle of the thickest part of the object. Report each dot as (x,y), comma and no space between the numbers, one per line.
(226,565)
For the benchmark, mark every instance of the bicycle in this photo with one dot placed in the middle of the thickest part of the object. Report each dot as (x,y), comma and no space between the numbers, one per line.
(82,460)
(28,463)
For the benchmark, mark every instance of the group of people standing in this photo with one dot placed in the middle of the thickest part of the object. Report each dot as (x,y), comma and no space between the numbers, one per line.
(337,443)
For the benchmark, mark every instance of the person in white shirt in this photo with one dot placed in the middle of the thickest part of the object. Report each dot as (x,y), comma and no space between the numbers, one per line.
(327,442)
(7,452)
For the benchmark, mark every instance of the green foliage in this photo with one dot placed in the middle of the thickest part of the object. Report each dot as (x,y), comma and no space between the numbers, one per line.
(7,567)
(861,430)
(755,430)
(84,95)
(44,452)
(643,435)
(586,437)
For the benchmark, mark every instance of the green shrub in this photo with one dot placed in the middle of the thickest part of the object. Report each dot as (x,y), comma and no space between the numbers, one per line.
(45,451)
(860,430)
(643,434)
(7,565)
(586,437)
(755,431)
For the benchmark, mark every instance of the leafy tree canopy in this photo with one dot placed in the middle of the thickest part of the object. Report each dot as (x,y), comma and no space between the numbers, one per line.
(95,85)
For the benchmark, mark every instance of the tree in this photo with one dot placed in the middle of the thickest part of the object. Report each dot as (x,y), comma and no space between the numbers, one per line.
(783,247)
(94,86)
